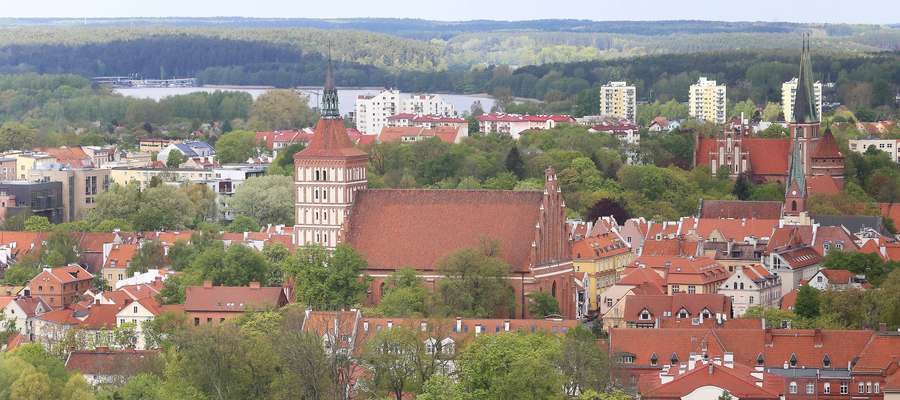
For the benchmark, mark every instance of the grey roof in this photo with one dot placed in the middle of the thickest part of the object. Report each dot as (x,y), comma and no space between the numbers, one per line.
(853,223)
(810,372)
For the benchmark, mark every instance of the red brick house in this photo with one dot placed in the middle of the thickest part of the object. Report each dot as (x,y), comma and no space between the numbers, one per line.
(207,304)
(62,286)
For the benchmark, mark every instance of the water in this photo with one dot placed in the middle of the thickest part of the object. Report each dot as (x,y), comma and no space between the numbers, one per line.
(347,97)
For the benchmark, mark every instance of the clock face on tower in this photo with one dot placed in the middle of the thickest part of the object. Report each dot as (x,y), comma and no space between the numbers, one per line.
(793,192)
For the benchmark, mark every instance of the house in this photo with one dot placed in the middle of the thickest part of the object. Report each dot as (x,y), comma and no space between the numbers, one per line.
(837,279)
(651,311)
(743,230)
(793,263)
(677,247)
(62,286)
(410,134)
(626,132)
(117,262)
(151,277)
(193,150)
(662,124)
(635,281)
(603,257)
(634,231)
(709,379)
(22,310)
(207,304)
(513,125)
(751,286)
(105,366)
(155,145)
(92,325)
(700,275)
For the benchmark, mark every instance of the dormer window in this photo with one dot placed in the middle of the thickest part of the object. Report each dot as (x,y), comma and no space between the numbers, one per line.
(645,315)
(760,360)
(826,361)
(683,313)
(793,360)
(706,314)
(674,359)
(653,360)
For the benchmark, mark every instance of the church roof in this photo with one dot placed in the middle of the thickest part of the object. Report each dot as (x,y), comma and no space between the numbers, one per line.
(330,140)
(767,156)
(395,228)
(827,147)
(796,175)
(805,110)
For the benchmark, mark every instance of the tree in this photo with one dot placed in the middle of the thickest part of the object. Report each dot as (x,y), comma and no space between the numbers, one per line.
(541,304)
(280,110)
(283,164)
(156,211)
(441,387)
(390,356)
(514,162)
(31,385)
(475,283)
(77,389)
(150,255)
(742,187)
(61,249)
(725,396)
(16,136)
(868,264)
(113,224)
(584,365)
(243,223)
(404,295)
(37,223)
(175,159)
(306,369)
(238,265)
(268,199)
(236,147)
(328,281)
(511,366)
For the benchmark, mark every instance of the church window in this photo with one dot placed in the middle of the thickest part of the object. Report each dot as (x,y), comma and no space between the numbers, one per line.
(794,205)
(324,194)
(316,194)
(325,175)
(317,174)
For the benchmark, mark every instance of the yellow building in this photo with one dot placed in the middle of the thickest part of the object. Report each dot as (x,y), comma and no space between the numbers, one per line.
(142,176)
(27,161)
(603,258)
(707,101)
(619,100)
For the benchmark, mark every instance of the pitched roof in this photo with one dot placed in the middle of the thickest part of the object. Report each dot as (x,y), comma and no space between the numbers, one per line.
(103,362)
(801,257)
(638,276)
(678,247)
(738,382)
(446,134)
(120,255)
(395,228)
(834,235)
(892,211)
(330,140)
(74,157)
(827,147)
(767,156)
(67,274)
(599,247)
(657,305)
(789,300)
(232,298)
(736,229)
(838,276)
(790,235)
(737,209)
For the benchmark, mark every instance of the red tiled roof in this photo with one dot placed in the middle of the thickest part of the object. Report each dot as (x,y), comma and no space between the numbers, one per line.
(737,209)
(103,362)
(801,257)
(736,229)
(599,247)
(822,184)
(827,147)
(791,235)
(670,247)
(756,272)
(394,228)
(120,255)
(397,133)
(94,241)
(835,235)
(767,156)
(737,381)
(789,300)
(30,304)
(696,271)
(232,298)
(75,157)
(25,242)
(638,276)
(67,274)
(838,276)
(657,305)
(330,140)
(14,341)
(892,211)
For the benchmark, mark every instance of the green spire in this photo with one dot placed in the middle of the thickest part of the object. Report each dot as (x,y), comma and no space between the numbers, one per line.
(805,110)
(796,173)
(329,108)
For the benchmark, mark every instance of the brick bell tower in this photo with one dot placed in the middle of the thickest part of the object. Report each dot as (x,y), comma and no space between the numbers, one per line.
(327,175)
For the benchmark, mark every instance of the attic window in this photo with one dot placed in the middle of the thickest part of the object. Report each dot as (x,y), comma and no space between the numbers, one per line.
(645,315)
(793,360)
(683,313)
(653,360)
(760,360)
(706,314)
(674,359)
(826,361)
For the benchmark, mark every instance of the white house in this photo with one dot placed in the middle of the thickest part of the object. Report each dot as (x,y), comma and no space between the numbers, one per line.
(22,311)
(792,265)
(751,286)
(137,313)
(837,279)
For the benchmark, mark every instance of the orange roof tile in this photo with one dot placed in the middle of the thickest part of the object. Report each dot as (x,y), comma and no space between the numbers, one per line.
(736,229)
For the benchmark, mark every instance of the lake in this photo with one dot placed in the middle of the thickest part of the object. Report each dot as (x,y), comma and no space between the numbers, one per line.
(347,97)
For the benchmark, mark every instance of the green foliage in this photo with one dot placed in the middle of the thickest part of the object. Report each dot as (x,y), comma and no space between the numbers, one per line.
(742,187)
(404,295)
(151,255)
(584,364)
(507,366)
(807,305)
(61,249)
(151,209)
(672,110)
(283,164)
(236,147)
(175,159)
(243,223)
(37,223)
(328,281)
(268,199)
(476,284)
(113,224)
(280,110)
(391,356)
(868,264)
(541,305)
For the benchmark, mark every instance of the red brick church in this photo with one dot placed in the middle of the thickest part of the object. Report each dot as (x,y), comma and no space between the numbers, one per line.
(807,159)
(397,228)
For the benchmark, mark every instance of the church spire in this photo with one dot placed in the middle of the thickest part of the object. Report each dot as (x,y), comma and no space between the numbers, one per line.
(329,108)
(796,174)
(805,111)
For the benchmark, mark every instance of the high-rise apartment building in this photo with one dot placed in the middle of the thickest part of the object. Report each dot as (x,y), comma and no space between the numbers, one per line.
(707,101)
(372,112)
(617,99)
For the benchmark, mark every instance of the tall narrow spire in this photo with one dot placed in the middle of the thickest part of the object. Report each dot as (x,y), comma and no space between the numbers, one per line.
(796,172)
(329,108)
(805,110)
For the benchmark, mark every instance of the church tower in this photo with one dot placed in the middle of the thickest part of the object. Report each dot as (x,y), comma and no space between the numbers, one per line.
(804,129)
(795,192)
(327,175)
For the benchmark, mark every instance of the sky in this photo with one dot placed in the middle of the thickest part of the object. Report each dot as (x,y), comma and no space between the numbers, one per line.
(832,11)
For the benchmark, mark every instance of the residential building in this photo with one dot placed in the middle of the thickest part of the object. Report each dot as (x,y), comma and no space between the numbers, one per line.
(216,304)
(372,112)
(603,257)
(151,277)
(738,209)
(789,93)
(155,145)
(22,310)
(427,104)
(80,187)
(143,176)
(411,134)
(118,260)
(334,206)
(662,124)
(102,156)
(37,198)
(635,281)
(889,146)
(103,366)
(61,287)
(837,279)
(68,157)
(194,150)
(513,125)
(793,263)
(626,132)
(618,99)
(428,121)
(751,286)
(707,101)
(27,160)
(701,275)
(654,311)
(225,181)
(8,168)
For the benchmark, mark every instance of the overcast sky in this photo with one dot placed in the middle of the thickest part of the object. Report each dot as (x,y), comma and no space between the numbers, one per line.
(853,11)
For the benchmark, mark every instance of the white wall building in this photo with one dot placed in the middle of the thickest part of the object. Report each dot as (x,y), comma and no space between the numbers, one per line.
(617,99)
(751,286)
(707,101)
(789,93)
(890,146)
(427,104)
(372,112)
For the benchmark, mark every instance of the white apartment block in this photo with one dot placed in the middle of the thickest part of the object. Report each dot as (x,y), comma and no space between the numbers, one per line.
(427,104)
(707,101)
(890,146)
(372,112)
(617,99)
(789,93)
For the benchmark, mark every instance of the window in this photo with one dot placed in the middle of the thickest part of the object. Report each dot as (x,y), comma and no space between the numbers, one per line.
(134,309)
(196,321)
(121,320)
(810,388)
(819,278)
(845,388)
(692,289)
(751,299)
(868,387)
(683,313)
(645,315)
(609,302)
(317,174)
(675,289)
(861,388)
(877,387)
(792,388)
(826,388)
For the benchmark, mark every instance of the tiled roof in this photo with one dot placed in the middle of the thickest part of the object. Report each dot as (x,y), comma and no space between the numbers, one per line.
(395,228)
(756,272)
(827,147)
(67,274)
(736,229)
(838,276)
(892,211)
(741,209)
(397,133)
(523,118)
(30,305)
(801,257)
(330,140)
(767,156)
(94,241)
(834,235)
(695,271)
(599,247)
(120,255)
(678,247)
(103,362)
(789,300)
(74,157)
(232,298)
(4,300)
(693,303)
(638,276)
(737,381)
(822,184)
(790,235)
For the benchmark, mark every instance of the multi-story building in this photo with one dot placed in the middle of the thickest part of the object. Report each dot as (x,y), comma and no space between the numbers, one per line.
(61,287)
(80,187)
(372,112)
(225,181)
(37,198)
(427,104)
(142,176)
(617,99)
(513,125)
(890,146)
(193,150)
(26,161)
(603,257)
(707,101)
(751,286)
(209,304)
(789,93)
(7,168)
(155,145)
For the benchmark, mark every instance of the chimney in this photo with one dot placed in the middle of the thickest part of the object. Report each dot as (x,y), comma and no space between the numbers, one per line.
(729,360)
(818,337)
(207,284)
(254,285)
